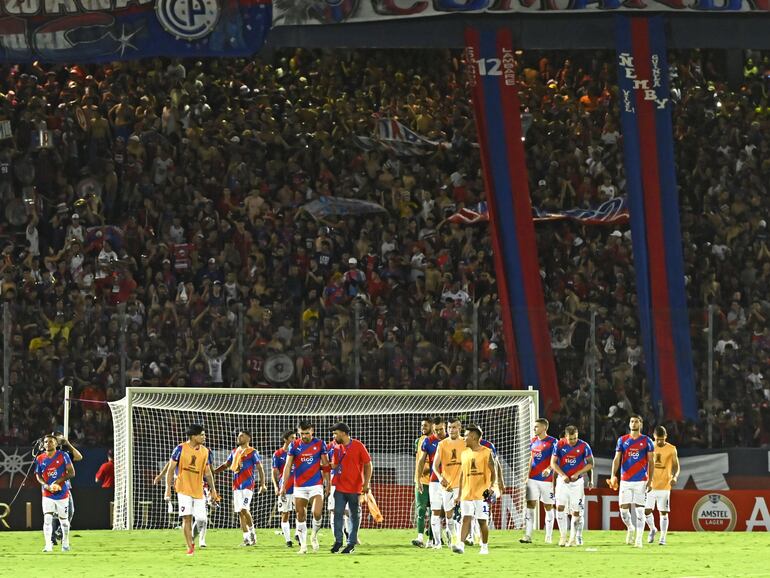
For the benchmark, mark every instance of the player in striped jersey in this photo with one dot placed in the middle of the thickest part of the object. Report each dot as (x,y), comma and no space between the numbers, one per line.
(311,476)
(446,467)
(663,476)
(540,480)
(285,501)
(633,454)
(571,459)
(53,470)
(245,463)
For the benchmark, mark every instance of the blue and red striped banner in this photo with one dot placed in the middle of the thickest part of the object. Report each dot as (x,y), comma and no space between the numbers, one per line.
(645,112)
(490,59)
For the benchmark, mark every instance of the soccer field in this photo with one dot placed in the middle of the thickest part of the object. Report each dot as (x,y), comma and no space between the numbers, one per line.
(388,553)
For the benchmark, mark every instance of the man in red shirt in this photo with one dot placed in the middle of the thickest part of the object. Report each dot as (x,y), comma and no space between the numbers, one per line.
(352,467)
(106,473)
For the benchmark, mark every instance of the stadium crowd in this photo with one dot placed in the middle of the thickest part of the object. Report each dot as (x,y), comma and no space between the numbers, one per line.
(154,227)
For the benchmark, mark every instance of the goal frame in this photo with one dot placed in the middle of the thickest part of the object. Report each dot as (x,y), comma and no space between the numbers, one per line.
(131,392)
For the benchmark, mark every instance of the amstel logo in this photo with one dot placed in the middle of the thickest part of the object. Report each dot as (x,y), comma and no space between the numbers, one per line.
(714,513)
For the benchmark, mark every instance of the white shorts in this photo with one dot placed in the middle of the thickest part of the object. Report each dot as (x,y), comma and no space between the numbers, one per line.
(632,493)
(570,495)
(449,499)
(479,509)
(658,498)
(308,492)
(242,500)
(436,499)
(58,507)
(189,506)
(286,503)
(539,491)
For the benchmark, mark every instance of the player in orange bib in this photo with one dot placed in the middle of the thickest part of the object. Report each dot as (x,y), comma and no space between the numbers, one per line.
(477,480)
(191,461)
(664,475)
(446,466)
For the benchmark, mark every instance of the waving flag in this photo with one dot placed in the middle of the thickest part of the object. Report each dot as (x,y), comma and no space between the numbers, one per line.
(612,212)
(645,111)
(490,61)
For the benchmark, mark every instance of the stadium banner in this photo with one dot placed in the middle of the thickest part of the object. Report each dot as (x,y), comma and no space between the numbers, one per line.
(93,509)
(648,147)
(691,510)
(107,30)
(293,12)
(490,61)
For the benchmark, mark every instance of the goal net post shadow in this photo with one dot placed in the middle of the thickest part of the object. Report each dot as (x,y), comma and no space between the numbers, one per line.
(150,422)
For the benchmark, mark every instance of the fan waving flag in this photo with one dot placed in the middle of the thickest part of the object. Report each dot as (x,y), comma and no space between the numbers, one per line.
(490,61)
(645,111)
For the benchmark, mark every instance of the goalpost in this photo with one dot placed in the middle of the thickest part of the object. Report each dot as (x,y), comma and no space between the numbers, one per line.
(150,422)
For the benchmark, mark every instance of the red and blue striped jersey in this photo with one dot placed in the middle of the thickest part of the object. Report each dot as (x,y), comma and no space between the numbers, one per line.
(279,462)
(490,445)
(572,458)
(330,452)
(307,462)
(634,455)
(244,478)
(429,446)
(541,452)
(51,469)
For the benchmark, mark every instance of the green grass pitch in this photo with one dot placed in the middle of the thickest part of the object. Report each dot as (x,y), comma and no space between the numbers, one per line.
(387,553)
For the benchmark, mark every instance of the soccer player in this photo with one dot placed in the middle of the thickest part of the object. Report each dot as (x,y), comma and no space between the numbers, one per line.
(446,467)
(245,463)
(477,481)
(53,470)
(311,476)
(285,501)
(429,447)
(540,480)
(190,462)
(663,476)
(68,448)
(162,477)
(422,475)
(500,481)
(571,458)
(633,455)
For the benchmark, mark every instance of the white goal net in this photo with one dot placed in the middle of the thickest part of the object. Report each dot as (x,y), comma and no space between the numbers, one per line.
(150,422)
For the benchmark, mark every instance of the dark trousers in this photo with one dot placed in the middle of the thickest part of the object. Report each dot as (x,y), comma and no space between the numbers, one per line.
(341,500)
